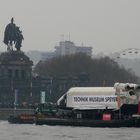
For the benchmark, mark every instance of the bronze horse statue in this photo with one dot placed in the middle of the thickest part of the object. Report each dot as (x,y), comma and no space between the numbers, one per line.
(13,36)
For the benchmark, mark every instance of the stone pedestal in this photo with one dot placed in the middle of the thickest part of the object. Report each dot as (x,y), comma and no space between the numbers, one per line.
(15,74)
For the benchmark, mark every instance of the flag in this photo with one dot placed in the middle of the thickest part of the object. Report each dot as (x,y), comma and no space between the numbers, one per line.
(43,97)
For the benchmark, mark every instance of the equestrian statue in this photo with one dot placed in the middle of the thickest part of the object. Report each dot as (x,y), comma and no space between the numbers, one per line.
(13,36)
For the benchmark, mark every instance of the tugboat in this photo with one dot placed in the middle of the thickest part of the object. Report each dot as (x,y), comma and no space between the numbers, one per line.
(44,110)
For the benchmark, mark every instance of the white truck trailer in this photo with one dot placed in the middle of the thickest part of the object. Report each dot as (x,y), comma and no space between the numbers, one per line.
(85,98)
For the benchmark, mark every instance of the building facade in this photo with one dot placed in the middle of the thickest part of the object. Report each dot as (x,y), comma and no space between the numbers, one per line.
(68,48)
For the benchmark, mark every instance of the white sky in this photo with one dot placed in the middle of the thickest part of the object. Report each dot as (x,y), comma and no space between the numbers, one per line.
(107,25)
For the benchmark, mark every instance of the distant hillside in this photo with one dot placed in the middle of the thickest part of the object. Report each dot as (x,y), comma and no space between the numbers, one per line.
(36,56)
(132,64)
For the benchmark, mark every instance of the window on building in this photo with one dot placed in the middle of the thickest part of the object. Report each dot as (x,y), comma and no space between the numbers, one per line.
(23,73)
(10,73)
(16,73)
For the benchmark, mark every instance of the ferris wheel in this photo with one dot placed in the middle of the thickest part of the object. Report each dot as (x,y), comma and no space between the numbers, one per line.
(130,53)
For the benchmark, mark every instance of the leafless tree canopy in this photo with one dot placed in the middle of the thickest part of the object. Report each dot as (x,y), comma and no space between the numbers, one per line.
(101,72)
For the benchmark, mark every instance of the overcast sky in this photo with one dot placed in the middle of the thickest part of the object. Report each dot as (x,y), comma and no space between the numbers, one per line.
(107,25)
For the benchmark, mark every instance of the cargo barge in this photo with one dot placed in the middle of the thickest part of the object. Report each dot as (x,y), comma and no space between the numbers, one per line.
(92,107)
(106,121)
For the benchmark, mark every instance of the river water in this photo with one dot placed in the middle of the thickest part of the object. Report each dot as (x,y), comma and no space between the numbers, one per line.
(34,132)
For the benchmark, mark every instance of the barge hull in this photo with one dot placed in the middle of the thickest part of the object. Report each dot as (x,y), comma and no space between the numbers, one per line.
(89,123)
